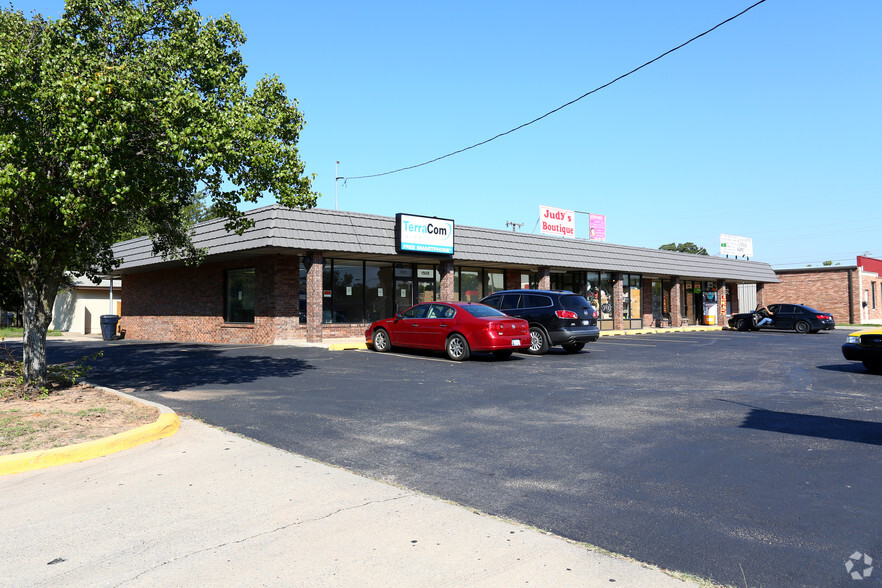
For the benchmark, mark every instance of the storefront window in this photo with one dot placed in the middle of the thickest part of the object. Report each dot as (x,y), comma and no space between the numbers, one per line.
(606,296)
(428,279)
(239,296)
(469,284)
(530,281)
(661,300)
(347,292)
(378,299)
(632,299)
(592,288)
(493,282)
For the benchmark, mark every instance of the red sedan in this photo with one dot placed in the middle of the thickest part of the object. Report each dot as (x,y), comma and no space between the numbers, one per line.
(455,327)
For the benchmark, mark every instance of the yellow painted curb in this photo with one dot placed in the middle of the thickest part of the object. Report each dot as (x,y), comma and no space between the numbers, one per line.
(166,425)
(663,330)
(345,346)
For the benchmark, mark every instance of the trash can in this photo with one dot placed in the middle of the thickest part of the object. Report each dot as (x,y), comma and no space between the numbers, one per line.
(108,326)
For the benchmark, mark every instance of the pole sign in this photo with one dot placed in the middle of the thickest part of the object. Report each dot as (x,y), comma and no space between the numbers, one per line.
(423,234)
(597,227)
(557,221)
(734,245)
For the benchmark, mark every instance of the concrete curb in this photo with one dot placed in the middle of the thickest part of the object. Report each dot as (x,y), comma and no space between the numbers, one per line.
(166,425)
(347,346)
(662,330)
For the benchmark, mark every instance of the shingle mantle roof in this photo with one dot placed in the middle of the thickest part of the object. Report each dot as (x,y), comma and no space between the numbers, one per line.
(281,230)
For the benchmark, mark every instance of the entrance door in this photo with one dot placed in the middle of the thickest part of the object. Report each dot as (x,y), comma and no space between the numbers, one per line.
(425,290)
(403,295)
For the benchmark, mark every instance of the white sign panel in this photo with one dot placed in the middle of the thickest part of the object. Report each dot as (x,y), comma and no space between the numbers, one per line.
(734,245)
(557,221)
(423,234)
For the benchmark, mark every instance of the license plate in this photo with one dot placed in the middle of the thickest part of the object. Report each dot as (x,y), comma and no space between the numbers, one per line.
(515,342)
(586,322)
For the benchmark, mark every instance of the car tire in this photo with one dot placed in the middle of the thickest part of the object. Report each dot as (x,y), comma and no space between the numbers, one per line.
(457,347)
(502,353)
(742,325)
(573,347)
(538,341)
(874,367)
(802,327)
(381,341)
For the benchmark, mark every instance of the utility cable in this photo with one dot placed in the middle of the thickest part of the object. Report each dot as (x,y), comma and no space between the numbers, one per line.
(561,107)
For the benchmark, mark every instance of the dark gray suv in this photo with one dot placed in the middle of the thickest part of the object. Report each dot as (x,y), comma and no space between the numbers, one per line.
(556,317)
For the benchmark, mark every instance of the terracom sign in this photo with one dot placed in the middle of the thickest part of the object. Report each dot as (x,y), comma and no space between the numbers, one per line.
(423,234)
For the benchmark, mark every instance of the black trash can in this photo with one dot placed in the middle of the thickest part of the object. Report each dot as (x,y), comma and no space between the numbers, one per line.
(108,326)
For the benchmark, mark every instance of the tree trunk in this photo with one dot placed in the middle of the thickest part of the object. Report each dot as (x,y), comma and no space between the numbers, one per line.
(39,297)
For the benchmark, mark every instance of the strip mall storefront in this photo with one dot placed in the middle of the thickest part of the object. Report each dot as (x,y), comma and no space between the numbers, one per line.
(317,274)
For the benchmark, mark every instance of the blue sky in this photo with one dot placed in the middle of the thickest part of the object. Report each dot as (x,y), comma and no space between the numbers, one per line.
(769,127)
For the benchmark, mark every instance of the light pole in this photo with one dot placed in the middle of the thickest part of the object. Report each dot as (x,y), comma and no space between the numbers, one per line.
(336,179)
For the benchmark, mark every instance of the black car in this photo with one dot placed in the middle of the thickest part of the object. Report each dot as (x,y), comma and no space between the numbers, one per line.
(799,317)
(556,317)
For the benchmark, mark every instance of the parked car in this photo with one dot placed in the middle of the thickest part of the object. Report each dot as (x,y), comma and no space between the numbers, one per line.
(799,317)
(455,327)
(866,347)
(556,317)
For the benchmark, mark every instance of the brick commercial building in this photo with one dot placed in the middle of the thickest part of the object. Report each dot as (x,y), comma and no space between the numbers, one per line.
(852,293)
(317,274)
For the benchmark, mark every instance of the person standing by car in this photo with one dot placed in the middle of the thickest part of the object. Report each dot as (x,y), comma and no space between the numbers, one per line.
(764,316)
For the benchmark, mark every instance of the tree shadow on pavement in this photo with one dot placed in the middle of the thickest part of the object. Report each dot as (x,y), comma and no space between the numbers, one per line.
(178,366)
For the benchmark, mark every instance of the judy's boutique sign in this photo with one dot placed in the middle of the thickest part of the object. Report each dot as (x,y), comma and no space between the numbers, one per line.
(423,234)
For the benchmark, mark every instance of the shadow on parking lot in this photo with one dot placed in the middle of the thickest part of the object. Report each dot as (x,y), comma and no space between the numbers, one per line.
(852,368)
(176,366)
(814,426)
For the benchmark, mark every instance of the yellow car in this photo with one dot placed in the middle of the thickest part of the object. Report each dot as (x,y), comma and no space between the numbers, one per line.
(865,346)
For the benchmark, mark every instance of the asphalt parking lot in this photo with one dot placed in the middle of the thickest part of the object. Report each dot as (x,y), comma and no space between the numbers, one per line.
(749,458)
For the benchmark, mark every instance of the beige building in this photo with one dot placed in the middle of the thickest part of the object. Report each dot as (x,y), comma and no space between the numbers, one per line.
(79,308)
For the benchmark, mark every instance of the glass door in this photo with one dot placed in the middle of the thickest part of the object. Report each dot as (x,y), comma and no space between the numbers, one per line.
(403,294)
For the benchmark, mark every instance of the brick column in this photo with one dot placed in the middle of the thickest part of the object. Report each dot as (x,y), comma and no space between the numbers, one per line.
(512,279)
(760,296)
(721,303)
(618,302)
(445,288)
(545,278)
(284,305)
(676,302)
(314,301)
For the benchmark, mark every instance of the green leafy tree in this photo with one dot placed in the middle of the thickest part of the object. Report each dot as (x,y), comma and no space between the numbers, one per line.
(687,247)
(117,115)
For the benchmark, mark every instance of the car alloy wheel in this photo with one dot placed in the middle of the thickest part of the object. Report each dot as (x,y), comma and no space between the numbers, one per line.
(538,341)
(381,340)
(457,347)
(803,327)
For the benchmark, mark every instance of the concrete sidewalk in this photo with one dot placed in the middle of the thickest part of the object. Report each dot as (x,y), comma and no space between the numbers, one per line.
(208,507)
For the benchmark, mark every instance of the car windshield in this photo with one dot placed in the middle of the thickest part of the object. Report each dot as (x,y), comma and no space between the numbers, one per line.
(809,310)
(574,302)
(481,310)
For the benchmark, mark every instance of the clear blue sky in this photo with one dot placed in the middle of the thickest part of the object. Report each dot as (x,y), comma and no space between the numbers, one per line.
(769,127)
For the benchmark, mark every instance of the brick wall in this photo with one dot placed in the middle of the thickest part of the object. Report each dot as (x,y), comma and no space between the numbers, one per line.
(187,304)
(827,291)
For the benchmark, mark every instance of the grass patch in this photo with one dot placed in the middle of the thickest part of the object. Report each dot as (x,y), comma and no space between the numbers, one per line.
(16,333)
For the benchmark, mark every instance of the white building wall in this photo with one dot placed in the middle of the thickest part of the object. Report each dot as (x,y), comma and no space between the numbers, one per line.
(79,311)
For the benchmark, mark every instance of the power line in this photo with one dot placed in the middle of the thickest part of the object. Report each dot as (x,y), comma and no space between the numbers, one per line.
(561,107)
